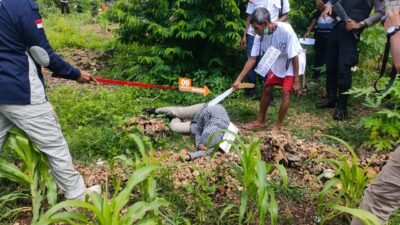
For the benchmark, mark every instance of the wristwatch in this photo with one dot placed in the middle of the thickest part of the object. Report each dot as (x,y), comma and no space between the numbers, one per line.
(363,24)
(392,30)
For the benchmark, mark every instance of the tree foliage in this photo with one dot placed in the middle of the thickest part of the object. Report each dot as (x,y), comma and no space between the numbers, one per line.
(183,36)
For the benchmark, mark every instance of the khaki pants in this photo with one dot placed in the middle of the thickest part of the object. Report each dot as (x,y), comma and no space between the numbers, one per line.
(180,114)
(382,197)
(40,124)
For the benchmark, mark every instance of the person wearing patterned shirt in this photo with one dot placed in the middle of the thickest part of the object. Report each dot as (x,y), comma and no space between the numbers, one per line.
(200,120)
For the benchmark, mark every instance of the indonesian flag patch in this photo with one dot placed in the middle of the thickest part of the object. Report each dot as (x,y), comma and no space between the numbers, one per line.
(39,23)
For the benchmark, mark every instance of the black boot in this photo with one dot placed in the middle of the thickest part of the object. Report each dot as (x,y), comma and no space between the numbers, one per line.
(341,110)
(329,102)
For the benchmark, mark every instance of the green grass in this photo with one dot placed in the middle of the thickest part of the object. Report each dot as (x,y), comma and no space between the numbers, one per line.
(75,31)
(395,218)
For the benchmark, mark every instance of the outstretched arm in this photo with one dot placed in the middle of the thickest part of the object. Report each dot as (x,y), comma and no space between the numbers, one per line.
(393,18)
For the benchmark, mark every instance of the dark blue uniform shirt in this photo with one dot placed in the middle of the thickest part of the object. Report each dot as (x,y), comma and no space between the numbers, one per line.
(20,29)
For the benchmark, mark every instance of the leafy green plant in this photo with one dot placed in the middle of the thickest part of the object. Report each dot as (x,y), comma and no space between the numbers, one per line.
(108,211)
(180,38)
(201,194)
(116,211)
(383,124)
(258,191)
(366,217)
(33,173)
(342,193)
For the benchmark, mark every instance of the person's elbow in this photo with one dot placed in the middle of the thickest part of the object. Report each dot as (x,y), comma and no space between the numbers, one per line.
(284,17)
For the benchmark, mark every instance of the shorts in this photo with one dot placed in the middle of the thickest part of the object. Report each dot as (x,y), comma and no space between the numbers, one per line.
(286,82)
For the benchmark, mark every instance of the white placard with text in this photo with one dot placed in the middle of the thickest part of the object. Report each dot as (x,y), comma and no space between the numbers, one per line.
(267,61)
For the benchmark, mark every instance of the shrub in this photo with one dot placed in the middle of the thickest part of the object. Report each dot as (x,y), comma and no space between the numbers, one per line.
(383,124)
(180,38)
(342,193)
(34,173)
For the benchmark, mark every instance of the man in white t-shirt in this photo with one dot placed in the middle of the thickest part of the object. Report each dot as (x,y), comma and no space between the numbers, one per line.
(285,69)
(278,10)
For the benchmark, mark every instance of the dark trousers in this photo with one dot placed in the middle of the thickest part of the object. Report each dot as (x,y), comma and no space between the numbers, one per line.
(321,40)
(342,54)
(252,75)
(65,8)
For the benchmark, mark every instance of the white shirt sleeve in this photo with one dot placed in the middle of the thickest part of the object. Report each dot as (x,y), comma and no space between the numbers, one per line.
(250,8)
(255,50)
(294,46)
(285,6)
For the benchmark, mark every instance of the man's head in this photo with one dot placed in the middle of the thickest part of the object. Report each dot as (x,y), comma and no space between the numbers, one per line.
(260,19)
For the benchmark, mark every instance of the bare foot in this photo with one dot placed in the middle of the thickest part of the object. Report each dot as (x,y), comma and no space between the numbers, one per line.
(254,124)
(276,128)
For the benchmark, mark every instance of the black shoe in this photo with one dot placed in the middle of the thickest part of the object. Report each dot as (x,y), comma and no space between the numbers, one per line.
(340,114)
(326,103)
(251,95)
(149,111)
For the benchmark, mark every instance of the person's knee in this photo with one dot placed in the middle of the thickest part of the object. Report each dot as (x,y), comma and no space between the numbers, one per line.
(267,90)
(285,95)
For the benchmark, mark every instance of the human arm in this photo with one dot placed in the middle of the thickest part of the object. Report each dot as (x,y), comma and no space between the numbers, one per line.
(32,32)
(393,18)
(296,81)
(284,17)
(243,41)
(311,26)
(247,67)
(285,8)
(379,7)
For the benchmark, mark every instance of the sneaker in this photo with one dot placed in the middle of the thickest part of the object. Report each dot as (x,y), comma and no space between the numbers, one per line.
(95,188)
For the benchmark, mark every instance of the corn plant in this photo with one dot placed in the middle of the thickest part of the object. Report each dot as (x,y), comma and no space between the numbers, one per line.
(257,189)
(144,158)
(34,173)
(366,217)
(115,211)
(107,211)
(345,190)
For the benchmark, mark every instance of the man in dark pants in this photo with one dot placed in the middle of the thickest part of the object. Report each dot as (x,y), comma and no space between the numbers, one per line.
(323,27)
(65,7)
(342,53)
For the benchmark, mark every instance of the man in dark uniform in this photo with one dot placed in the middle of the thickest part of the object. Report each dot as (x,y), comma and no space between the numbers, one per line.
(342,51)
(23,102)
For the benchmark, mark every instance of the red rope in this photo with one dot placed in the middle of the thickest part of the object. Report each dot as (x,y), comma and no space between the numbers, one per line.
(135,84)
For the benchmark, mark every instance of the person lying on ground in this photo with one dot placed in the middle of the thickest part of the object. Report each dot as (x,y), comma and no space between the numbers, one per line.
(200,120)
(382,197)
(284,71)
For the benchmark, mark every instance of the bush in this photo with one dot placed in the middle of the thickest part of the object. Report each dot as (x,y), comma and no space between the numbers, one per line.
(182,38)
(383,124)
